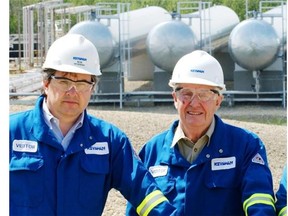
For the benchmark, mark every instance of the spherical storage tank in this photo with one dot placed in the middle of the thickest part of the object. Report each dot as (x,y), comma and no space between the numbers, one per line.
(168,42)
(104,33)
(253,44)
(100,36)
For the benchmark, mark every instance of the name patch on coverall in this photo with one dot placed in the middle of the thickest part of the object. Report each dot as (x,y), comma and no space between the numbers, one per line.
(25,146)
(157,171)
(99,148)
(223,163)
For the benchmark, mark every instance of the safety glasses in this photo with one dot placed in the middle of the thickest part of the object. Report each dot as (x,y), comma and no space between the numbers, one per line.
(65,84)
(203,95)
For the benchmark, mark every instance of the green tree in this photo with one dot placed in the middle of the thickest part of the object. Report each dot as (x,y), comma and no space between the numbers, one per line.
(170,5)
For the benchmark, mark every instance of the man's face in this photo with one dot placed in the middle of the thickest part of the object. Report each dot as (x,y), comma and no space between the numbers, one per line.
(65,98)
(196,105)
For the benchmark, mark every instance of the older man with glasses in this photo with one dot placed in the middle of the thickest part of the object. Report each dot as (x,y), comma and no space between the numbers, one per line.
(203,165)
(64,161)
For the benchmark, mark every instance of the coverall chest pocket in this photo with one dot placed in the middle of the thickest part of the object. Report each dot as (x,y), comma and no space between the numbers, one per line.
(95,169)
(225,179)
(26,180)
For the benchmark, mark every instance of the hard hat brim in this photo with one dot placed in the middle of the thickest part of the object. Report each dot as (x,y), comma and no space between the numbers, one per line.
(197,81)
(72,69)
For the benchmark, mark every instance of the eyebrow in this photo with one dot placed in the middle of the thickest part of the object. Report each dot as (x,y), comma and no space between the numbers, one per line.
(178,88)
(215,91)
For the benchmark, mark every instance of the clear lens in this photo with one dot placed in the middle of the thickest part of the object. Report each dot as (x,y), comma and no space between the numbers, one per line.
(203,94)
(66,84)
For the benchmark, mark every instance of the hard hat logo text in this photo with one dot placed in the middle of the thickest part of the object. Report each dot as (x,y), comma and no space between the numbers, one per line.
(197,71)
(79,60)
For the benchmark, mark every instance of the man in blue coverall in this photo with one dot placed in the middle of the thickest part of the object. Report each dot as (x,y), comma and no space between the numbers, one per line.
(203,165)
(64,161)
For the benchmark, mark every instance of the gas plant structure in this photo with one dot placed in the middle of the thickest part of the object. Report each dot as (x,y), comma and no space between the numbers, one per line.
(145,44)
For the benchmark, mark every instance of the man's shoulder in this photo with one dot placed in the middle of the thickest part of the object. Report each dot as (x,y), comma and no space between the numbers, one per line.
(102,124)
(20,115)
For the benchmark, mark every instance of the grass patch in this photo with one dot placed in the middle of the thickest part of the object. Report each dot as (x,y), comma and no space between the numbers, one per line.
(274,120)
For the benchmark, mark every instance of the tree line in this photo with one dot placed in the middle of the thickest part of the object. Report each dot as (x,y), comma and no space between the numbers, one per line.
(239,6)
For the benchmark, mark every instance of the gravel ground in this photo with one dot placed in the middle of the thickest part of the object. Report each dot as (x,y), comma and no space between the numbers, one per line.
(141,123)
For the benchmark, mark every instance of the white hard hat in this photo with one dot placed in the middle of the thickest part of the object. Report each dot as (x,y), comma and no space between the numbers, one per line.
(73,53)
(198,67)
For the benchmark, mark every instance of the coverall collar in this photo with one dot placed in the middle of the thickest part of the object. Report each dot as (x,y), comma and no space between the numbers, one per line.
(42,133)
(215,148)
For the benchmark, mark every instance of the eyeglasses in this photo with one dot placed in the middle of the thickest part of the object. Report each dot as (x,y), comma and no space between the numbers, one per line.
(65,84)
(203,94)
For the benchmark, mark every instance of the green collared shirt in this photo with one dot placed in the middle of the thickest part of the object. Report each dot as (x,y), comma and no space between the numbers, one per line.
(189,149)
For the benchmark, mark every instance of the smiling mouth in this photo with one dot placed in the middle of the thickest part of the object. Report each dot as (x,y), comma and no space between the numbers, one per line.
(194,113)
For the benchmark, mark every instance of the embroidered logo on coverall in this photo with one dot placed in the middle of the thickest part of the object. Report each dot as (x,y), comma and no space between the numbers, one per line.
(25,146)
(258,159)
(223,163)
(99,148)
(157,171)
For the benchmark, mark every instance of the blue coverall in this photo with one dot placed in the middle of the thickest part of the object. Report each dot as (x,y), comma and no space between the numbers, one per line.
(281,195)
(229,177)
(46,180)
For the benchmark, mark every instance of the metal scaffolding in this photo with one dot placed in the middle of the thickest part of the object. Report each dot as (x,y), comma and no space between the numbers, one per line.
(53,20)
(120,13)
(38,34)
(187,10)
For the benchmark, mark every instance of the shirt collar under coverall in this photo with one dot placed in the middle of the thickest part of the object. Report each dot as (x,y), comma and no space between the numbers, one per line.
(189,149)
(53,124)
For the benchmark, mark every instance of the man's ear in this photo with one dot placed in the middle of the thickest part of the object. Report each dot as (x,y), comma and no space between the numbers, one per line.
(219,100)
(175,99)
(45,84)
